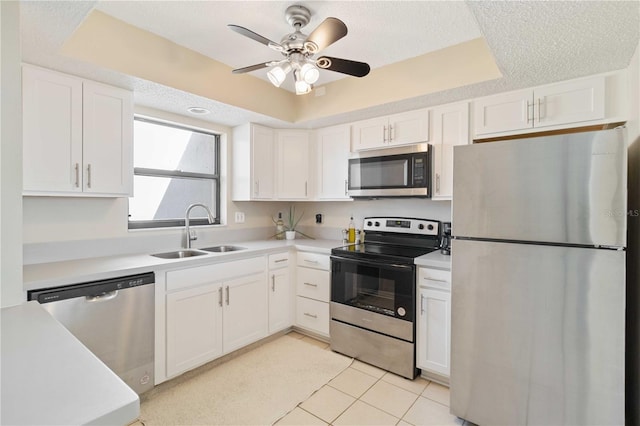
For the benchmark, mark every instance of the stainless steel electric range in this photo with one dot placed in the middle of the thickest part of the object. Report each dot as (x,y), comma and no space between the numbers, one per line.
(373,292)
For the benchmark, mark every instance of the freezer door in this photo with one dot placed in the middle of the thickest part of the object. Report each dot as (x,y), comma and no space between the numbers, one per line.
(568,189)
(538,334)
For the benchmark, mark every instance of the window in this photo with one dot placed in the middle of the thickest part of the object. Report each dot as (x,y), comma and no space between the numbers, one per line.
(174,166)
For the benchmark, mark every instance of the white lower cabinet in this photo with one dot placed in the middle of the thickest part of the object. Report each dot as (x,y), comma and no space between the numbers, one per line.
(313,292)
(194,327)
(280,292)
(433,336)
(212,310)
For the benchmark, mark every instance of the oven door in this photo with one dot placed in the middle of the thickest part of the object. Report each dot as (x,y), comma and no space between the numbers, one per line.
(387,289)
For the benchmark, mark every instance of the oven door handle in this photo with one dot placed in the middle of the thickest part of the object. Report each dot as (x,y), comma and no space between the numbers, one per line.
(375,264)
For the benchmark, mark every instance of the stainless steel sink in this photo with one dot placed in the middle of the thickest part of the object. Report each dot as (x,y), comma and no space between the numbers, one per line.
(223,249)
(179,254)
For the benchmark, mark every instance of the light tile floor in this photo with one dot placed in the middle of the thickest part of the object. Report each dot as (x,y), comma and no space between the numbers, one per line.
(366,395)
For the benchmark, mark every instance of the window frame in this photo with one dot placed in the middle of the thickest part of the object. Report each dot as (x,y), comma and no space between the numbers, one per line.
(215,177)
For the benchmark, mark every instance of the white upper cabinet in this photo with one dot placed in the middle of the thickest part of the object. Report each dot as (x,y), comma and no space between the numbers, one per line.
(77,136)
(293,164)
(399,129)
(551,107)
(450,127)
(332,154)
(253,163)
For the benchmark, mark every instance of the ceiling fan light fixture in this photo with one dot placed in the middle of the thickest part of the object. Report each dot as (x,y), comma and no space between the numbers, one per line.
(302,87)
(309,73)
(278,74)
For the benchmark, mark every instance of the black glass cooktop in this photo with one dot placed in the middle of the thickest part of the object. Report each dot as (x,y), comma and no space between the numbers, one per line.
(382,252)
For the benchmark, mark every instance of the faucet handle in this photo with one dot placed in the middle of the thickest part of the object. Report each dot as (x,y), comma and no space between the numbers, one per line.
(192,235)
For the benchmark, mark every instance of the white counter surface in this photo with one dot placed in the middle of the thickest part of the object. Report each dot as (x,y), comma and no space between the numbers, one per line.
(50,378)
(435,259)
(45,275)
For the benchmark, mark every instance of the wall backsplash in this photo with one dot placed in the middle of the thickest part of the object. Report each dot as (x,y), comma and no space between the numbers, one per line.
(57,229)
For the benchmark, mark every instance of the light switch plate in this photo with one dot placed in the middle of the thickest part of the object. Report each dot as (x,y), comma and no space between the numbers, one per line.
(239,217)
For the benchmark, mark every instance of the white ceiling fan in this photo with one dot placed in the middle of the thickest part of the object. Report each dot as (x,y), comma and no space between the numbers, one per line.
(299,49)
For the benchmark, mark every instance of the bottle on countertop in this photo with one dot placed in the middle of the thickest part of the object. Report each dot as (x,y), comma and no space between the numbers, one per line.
(279,227)
(352,231)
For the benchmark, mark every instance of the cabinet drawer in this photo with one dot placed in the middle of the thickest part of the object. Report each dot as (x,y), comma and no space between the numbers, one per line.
(278,260)
(191,277)
(314,260)
(313,315)
(313,283)
(434,278)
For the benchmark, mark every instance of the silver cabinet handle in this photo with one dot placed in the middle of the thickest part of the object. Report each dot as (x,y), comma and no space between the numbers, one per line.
(88,175)
(539,109)
(530,106)
(346,187)
(384,133)
(227,288)
(310,315)
(436,281)
(281,260)
(421,304)
(311,284)
(310,261)
(220,296)
(77,168)
(256,190)
(391,135)
(305,189)
(438,183)
(273,283)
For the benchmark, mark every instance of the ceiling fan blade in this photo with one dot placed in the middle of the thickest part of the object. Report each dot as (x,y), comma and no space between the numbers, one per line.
(327,33)
(251,68)
(257,37)
(344,66)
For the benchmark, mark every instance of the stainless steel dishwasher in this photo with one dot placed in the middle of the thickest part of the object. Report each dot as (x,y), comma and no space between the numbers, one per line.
(114,319)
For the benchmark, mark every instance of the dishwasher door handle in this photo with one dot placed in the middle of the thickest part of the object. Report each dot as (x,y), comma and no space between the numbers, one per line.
(102,297)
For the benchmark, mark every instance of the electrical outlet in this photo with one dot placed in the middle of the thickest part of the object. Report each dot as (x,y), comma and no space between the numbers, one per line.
(239,217)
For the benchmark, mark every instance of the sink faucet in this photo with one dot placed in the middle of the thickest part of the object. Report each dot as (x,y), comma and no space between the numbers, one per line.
(191,235)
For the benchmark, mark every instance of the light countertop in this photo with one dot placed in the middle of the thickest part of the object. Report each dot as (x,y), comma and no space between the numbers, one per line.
(49,377)
(46,275)
(435,259)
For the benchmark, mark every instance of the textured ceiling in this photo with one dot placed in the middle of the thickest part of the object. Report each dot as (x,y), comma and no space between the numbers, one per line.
(532,42)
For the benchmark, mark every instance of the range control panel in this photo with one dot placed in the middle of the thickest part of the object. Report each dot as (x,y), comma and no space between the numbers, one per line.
(402,225)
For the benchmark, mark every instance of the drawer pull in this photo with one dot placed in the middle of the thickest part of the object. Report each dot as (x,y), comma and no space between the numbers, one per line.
(311,284)
(281,260)
(311,261)
(220,296)
(435,281)
(310,315)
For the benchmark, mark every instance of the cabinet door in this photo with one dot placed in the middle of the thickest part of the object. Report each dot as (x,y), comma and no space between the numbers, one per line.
(293,165)
(107,139)
(409,127)
(569,102)
(333,162)
(503,113)
(434,331)
(245,311)
(194,327)
(370,134)
(279,300)
(450,128)
(52,131)
(262,162)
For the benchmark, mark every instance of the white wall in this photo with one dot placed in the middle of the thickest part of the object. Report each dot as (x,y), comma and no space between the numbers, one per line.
(10,156)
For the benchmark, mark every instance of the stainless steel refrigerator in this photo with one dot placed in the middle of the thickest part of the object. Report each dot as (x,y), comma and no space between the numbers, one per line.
(538,280)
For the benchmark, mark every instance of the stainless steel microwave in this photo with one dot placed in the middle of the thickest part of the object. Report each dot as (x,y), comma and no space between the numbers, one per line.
(395,172)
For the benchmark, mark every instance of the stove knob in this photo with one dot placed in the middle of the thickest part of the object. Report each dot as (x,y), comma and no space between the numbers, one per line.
(430,227)
(369,223)
(377,223)
(421,226)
